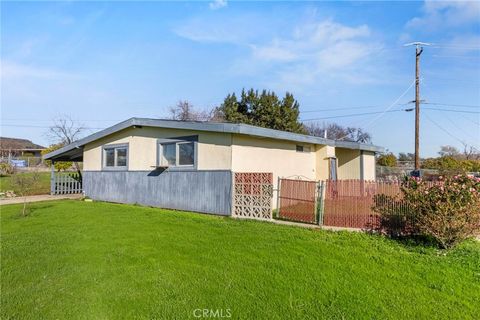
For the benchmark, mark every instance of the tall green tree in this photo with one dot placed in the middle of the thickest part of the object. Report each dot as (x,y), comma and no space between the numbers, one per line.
(263,109)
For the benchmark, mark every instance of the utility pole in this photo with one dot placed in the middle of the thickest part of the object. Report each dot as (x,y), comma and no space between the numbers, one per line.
(418,52)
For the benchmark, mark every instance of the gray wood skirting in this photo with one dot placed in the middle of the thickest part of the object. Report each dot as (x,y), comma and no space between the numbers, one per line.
(200,191)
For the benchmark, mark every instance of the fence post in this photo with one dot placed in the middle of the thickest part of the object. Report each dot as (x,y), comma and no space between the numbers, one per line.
(278,197)
(52,179)
(319,202)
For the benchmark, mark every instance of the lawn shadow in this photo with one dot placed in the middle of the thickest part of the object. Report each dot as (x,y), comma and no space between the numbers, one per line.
(30,209)
(417,243)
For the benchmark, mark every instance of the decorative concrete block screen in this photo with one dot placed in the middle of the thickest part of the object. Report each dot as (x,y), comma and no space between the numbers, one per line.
(200,191)
(252,196)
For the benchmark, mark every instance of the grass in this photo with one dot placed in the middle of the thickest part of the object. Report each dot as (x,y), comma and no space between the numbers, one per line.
(42,188)
(92,260)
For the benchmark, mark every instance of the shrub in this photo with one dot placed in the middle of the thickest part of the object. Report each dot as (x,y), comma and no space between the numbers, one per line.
(451,165)
(59,165)
(448,211)
(387,160)
(6,169)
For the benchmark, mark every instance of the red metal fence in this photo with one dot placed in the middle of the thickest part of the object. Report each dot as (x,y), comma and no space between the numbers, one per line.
(344,203)
(348,203)
(297,200)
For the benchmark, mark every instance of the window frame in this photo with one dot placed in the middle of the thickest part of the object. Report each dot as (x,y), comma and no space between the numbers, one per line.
(177,141)
(115,146)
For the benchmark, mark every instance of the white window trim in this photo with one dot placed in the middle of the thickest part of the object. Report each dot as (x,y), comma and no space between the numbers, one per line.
(177,155)
(115,155)
(177,151)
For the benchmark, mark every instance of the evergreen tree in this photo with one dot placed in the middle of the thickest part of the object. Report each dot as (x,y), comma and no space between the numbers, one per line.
(263,110)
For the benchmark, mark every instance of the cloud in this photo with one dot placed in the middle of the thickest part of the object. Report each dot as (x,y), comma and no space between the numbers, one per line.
(443,14)
(12,70)
(217,4)
(314,52)
(311,51)
(233,30)
(326,43)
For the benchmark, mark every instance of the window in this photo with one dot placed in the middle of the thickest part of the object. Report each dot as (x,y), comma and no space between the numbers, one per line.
(300,148)
(169,154)
(109,157)
(185,154)
(121,156)
(115,156)
(177,154)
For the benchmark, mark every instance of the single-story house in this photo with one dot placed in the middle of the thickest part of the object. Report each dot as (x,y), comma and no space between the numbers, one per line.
(14,147)
(188,165)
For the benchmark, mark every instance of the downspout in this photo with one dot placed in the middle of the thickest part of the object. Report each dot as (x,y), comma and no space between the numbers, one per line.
(362,166)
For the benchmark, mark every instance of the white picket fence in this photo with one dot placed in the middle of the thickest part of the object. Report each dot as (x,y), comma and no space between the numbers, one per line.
(66,183)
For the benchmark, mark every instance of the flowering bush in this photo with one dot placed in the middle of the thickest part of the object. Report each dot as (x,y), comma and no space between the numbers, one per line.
(448,211)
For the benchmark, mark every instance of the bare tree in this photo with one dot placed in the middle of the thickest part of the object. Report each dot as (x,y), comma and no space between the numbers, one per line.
(337,132)
(470,152)
(185,111)
(216,115)
(448,151)
(65,130)
(315,129)
(23,184)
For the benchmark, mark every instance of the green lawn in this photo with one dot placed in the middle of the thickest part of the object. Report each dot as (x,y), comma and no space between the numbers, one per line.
(42,188)
(84,260)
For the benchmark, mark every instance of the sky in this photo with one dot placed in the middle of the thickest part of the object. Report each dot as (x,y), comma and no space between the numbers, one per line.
(103,62)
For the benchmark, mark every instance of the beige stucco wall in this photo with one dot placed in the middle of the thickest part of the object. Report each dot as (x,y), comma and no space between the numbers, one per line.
(250,154)
(323,153)
(214,149)
(240,153)
(369,165)
(348,162)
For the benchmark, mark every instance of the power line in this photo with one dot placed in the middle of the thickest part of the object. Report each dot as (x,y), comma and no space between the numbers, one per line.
(447,132)
(455,57)
(378,112)
(454,47)
(43,127)
(353,115)
(374,107)
(471,120)
(450,110)
(452,105)
(389,107)
(340,108)
(460,129)
(50,120)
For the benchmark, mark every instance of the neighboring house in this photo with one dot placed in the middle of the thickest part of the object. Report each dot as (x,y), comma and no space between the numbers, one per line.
(13,147)
(189,165)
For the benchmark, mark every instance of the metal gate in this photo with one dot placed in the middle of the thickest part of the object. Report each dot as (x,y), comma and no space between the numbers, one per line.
(252,195)
(300,200)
